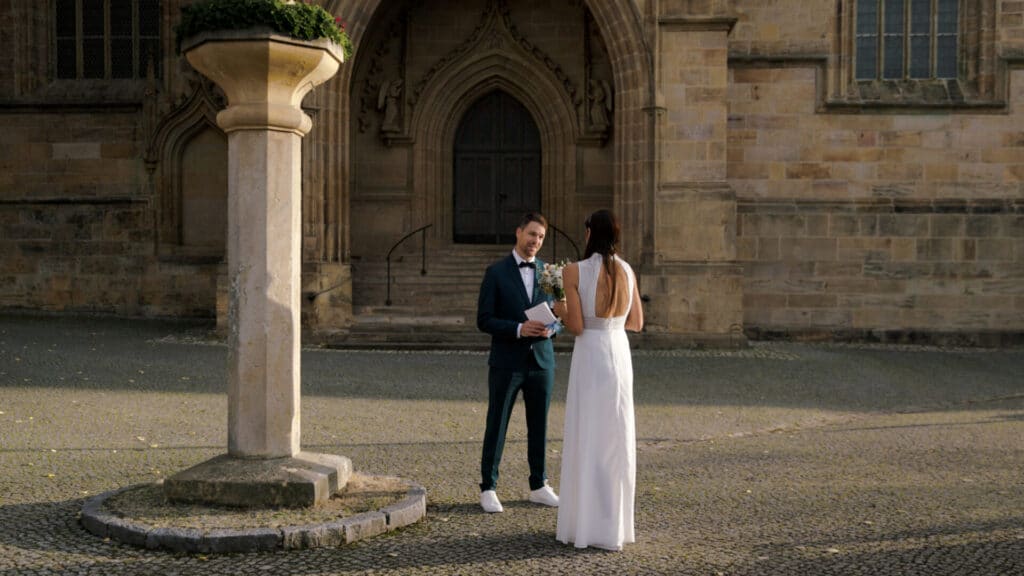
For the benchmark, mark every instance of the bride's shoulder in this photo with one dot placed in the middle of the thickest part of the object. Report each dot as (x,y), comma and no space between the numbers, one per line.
(625,265)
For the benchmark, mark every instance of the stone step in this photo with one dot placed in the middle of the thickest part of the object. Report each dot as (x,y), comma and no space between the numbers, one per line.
(401,335)
(410,269)
(451,284)
(462,262)
(425,301)
(378,318)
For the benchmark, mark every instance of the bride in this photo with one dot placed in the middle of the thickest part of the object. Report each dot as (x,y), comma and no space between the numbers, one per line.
(598,477)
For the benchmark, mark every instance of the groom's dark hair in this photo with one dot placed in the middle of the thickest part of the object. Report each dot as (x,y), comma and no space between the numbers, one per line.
(533,217)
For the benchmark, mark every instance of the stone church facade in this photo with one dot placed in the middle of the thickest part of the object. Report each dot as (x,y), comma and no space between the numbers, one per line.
(805,168)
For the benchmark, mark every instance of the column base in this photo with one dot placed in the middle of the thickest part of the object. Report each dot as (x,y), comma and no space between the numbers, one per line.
(303,480)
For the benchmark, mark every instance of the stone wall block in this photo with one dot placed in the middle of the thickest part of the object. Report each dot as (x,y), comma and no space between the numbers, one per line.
(839,269)
(1014,226)
(934,249)
(983,226)
(99,266)
(808,249)
(760,301)
(811,318)
(26,232)
(903,249)
(811,300)
(808,170)
(903,225)
(693,225)
(746,249)
(700,300)
(869,225)
(863,249)
(1002,287)
(998,249)
(817,225)
(768,249)
(948,225)
(773,225)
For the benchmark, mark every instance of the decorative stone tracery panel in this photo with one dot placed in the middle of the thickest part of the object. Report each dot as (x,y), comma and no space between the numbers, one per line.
(193,123)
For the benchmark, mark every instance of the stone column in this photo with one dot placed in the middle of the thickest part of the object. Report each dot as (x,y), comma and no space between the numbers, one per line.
(265,77)
(695,284)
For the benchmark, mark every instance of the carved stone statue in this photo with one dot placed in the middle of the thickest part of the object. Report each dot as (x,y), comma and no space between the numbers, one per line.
(600,96)
(387,101)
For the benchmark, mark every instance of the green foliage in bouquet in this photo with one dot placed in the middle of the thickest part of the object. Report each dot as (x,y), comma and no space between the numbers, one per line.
(298,20)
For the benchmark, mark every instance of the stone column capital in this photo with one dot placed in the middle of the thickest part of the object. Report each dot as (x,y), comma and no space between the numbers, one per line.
(264,75)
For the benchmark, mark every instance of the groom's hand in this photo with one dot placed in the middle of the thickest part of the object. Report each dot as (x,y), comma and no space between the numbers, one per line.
(533,328)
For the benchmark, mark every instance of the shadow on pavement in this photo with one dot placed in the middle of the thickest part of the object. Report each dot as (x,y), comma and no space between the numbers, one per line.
(150,355)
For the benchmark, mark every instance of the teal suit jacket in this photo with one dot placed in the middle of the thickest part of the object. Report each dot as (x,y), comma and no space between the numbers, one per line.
(501,308)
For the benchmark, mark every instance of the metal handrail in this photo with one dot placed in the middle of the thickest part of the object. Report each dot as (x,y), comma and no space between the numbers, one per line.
(423,263)
(554,243)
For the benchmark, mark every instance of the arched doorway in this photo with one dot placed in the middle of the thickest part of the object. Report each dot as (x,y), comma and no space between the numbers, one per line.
(497,170)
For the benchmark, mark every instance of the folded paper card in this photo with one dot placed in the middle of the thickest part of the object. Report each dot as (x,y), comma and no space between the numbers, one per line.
(542,313)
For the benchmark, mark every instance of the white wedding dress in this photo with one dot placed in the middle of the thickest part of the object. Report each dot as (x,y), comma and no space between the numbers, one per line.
(598,478)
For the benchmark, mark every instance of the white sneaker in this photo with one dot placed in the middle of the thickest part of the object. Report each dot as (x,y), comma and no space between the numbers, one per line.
(544,495)
(489,501)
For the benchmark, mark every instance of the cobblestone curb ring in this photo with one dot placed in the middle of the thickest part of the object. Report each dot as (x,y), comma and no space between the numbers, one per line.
(328,534)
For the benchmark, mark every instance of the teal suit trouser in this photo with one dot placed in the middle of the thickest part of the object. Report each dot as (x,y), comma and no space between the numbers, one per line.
(504,386)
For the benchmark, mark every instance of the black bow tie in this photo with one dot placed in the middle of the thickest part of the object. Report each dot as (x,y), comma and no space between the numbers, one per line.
(525,264)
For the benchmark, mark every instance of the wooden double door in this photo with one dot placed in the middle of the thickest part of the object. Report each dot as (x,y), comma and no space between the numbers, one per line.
(497,170)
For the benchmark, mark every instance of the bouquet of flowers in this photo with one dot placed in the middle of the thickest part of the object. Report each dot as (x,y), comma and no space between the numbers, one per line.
(550,280)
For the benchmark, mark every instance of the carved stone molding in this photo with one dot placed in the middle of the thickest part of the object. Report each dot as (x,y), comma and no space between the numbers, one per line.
(597,108)
(382,96)
(497,32)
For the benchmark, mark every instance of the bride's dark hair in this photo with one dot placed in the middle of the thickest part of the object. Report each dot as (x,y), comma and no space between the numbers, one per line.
(604,234)
(604,238)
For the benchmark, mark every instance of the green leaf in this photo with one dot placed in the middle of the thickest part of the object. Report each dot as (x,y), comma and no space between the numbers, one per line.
(301,21)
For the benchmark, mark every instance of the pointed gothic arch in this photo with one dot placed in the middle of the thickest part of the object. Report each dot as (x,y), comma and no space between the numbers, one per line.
(447,98)
(496,165)
(633,122)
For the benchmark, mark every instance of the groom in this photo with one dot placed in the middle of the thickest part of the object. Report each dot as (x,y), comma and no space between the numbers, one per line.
(522,358)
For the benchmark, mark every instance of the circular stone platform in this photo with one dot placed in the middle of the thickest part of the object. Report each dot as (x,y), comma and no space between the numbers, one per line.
(368,505)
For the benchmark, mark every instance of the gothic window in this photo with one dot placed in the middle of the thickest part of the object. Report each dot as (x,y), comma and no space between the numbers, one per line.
(915,53)
(107,39)
(906,39)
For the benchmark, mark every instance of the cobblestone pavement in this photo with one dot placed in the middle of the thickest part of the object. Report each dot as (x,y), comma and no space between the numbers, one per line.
(783,459)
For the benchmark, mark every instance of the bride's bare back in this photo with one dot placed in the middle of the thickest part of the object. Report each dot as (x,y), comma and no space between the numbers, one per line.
(612,297)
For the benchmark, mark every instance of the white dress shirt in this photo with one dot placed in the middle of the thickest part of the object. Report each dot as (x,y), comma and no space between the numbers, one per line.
(529,275)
